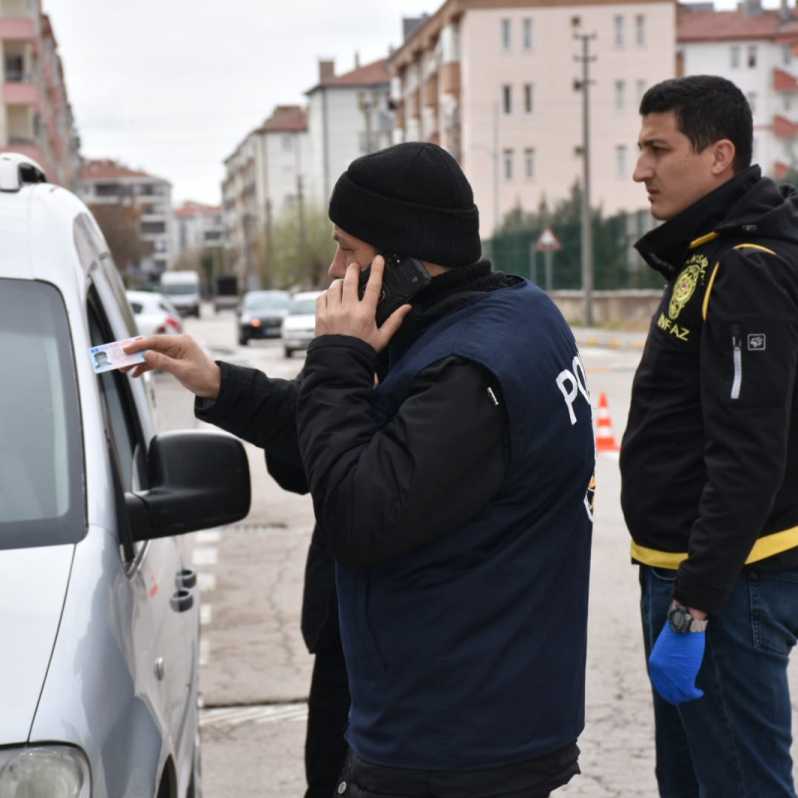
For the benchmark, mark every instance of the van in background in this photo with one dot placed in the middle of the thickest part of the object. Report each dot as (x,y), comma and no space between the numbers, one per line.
(182,289)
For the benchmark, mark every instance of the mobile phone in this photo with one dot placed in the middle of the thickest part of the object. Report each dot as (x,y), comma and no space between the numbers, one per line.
(402,279)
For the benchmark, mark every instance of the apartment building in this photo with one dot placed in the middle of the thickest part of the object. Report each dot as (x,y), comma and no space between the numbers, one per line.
(349,116)
(268,175)
(492,81)
(35,115)
(108,182)
(758,50)
(197,227)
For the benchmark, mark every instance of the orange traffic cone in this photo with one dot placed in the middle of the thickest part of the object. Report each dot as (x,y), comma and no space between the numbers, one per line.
(605,440)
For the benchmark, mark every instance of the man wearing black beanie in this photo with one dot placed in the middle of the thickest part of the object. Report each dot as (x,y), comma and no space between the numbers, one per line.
(449,454)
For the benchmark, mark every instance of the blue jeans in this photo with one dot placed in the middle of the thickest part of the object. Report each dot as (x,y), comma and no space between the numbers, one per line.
(735,741)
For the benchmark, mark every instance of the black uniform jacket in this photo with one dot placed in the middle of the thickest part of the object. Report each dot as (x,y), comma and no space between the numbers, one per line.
(408,473)
(709,460)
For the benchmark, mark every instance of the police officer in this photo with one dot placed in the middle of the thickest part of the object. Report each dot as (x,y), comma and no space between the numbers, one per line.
(709,460)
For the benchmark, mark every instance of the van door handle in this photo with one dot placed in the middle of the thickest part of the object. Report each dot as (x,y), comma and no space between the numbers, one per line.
(182,600)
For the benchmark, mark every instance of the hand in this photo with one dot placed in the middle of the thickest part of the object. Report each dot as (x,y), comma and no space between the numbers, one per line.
(674,664)
(339,311)
(182,357)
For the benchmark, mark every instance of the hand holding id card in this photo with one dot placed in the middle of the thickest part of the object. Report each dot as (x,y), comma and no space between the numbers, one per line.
(110,356)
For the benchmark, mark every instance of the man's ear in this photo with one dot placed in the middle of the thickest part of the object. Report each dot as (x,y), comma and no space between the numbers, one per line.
(723,154)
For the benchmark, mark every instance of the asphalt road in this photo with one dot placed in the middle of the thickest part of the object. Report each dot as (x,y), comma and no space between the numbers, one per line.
(255,670)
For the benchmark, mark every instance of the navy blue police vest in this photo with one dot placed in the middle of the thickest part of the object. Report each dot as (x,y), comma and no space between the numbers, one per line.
(470,651)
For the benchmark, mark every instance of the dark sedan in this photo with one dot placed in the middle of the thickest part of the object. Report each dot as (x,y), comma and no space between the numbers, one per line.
(261,315)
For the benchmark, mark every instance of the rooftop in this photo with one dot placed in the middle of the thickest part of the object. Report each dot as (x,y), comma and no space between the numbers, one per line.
(286,119)
(702,25)
(191,210)
(108,169)
(367,75)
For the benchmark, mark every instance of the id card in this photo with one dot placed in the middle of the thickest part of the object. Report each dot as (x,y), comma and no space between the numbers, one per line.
(108,357)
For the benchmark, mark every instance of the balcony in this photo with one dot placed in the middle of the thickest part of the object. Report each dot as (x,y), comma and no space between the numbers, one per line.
(783,128)
(414,104)
(783,81)
(450,78)
(431,92)
(17,29)
(20,94)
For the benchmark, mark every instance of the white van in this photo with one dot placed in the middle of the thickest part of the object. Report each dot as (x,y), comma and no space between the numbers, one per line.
(99,610)
(182,289)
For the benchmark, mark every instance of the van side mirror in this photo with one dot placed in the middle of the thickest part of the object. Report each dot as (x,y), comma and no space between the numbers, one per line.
(196,480)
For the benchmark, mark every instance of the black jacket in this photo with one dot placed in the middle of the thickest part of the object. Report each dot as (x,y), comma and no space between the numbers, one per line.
(709,460)
(405,474)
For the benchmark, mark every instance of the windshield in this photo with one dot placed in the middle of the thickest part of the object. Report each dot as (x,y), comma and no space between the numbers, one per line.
(303,307)
(267,302)
(41,462)
(179,289)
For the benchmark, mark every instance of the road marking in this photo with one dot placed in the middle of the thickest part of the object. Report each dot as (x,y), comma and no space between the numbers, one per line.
(206,614)
(208,536)
(206,582)
(611,455)
(267,713)
(204,651)
(205,556)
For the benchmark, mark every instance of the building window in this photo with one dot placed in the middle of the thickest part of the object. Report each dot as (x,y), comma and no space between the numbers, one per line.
(618,30)
(735,57)
(620,160)
(640,30)
(620,95)
(507,98)
(786,55)
(752,101)
(506,42)
(752,56)
(641,90)
(529,98)
(529,163)
(508,165)
(528,40)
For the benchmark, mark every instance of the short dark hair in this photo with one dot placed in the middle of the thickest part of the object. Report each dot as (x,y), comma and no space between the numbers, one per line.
(707,108)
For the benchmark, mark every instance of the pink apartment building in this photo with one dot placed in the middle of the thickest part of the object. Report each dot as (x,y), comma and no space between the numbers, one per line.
(492,81)
(35,115)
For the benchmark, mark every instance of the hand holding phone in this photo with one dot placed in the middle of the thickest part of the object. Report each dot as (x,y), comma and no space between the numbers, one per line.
(402,279)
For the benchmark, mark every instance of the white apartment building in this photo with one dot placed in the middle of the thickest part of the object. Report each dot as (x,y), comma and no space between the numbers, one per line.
(756,49)
(265,178)
(492,81)
(348,116)
(107,182)
(35,115)
(197,227)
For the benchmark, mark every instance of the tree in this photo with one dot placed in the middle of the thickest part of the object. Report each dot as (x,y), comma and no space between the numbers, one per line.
(297,257)
(120,226)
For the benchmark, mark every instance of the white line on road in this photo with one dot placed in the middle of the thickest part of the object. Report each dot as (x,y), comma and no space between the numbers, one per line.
(237,716)
(205,651)
(206,582)
(206,614)
(205,556)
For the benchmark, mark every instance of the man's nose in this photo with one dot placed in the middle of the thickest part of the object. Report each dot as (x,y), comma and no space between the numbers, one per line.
(337,266)
(642,170)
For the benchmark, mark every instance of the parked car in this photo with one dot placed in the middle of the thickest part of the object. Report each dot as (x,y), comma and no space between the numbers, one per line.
(225,296)
(98,608)
(182,288)
(299,326)
(154,314)
(261,315)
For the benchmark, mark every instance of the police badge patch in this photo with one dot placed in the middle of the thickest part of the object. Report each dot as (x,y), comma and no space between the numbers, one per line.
(684,287)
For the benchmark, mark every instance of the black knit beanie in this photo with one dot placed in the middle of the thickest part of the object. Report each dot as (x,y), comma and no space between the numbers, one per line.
(410,199)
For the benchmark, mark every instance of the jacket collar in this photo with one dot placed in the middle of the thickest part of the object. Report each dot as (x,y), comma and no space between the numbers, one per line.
(666,247)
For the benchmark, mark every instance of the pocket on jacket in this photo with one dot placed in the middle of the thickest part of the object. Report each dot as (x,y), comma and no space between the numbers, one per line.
(774,621)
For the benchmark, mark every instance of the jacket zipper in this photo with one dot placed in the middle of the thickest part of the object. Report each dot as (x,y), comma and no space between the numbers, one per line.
(737,354)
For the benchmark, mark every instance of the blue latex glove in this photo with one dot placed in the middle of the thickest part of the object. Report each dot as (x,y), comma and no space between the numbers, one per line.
(674,664)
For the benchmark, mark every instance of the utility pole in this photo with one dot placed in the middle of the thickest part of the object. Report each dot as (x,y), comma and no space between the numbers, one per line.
(583,85)
(496,219)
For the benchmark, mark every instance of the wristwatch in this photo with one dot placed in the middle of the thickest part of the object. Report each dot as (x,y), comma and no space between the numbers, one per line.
(682,622)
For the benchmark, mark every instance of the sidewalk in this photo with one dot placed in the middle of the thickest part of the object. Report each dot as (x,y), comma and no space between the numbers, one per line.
(609,339)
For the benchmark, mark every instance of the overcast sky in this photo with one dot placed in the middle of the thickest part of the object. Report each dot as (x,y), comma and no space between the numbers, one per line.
(172,86)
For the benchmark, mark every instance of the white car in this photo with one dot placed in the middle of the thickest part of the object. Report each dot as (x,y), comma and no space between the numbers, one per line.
(154,314)
(299,326)
(99,612)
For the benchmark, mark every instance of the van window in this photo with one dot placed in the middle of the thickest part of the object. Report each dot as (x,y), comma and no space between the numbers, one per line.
(41,454)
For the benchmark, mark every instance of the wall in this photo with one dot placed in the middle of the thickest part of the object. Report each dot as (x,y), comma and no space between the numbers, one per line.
(630,310)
